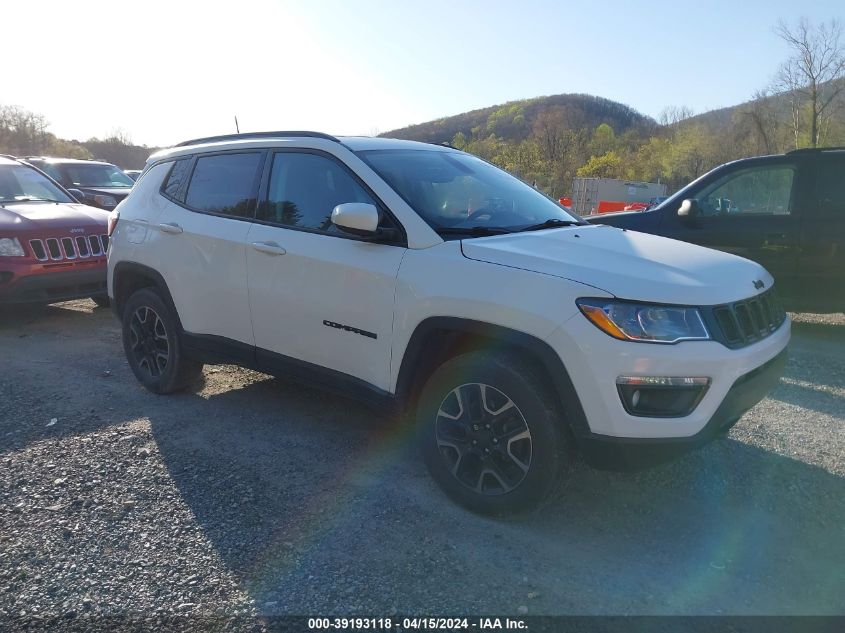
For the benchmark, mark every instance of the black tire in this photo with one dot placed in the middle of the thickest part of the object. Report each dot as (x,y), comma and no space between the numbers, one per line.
(152,345)
(467,456)
(102,301)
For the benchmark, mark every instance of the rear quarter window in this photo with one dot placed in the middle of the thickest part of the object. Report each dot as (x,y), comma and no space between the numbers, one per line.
(172,186)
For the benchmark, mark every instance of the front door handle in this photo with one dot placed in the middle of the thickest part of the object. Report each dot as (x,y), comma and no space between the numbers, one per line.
(170,227)
(268,248)
(776,242)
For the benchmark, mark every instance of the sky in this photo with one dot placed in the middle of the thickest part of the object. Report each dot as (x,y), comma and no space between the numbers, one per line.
(162,71)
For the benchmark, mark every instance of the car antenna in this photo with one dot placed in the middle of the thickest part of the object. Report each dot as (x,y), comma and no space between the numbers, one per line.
(237,129)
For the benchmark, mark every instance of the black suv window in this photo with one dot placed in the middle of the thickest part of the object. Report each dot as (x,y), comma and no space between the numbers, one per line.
(830,186)
(177,175)
(51,170)
(224,184)
(305,188)
(96,175)
(765,190)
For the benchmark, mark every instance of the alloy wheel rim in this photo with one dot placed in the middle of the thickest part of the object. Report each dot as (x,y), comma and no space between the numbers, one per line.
(483,438)
(149,346)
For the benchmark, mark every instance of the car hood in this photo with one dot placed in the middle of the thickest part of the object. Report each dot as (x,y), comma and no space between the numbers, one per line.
(31,215)
(117,192)
(626,264)
(647,221)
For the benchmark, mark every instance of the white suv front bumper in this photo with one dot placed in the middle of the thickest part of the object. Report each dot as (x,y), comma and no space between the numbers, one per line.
(594,361)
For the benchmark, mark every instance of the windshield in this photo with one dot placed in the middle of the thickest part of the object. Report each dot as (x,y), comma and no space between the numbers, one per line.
(453,191)
(94,175)
(19,183)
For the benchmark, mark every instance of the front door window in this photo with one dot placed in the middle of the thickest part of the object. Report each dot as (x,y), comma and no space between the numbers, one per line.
(750,192)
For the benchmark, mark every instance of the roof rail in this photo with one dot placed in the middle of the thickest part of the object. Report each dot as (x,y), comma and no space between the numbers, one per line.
(808,150)
(248,135)
(9,156)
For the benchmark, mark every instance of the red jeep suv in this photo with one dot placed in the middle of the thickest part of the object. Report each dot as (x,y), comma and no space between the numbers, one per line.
(51,247)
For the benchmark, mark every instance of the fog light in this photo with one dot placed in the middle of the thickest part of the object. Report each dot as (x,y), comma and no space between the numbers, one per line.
(661,396)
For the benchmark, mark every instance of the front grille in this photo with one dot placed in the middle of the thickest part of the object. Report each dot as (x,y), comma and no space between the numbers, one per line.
(82,247)
(96,247)
(745,322)
(53,248)
(68,248)
(38,249)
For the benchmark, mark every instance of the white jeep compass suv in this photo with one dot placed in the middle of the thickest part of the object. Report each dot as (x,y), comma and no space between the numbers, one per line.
(424,278)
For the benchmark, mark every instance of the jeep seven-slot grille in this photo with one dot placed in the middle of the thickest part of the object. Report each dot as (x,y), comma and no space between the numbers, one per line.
(66,248)
(745,322)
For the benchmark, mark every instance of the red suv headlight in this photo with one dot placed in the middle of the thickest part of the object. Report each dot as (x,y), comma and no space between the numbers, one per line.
(114,216)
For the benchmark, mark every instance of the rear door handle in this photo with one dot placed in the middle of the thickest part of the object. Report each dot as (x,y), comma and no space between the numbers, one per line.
(170,227)
(268,248)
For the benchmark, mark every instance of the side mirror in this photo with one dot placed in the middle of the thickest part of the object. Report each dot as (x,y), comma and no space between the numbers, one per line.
(76,193)
(358,218)
(689,208)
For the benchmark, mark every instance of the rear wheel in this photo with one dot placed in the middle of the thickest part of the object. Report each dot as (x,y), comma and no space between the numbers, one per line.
(491,434)
(152,345)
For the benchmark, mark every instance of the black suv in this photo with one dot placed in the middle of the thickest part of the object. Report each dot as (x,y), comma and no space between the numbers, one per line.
(786,212)
(101,184)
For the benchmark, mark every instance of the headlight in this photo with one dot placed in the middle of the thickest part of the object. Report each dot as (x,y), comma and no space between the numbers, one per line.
(643,322)
(105,201)
(10,247)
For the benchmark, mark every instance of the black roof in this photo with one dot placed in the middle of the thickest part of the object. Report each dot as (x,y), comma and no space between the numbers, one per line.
(809,150)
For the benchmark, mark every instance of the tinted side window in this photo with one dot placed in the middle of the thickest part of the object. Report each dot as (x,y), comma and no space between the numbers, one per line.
(174,180)
(51,170)
(224,183)
(755,191)
(305,188)
(830,187)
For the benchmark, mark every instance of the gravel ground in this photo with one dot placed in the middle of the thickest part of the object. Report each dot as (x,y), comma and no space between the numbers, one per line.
(252,496)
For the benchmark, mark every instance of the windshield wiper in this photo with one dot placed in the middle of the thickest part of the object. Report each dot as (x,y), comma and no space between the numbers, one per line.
(473,231)
(550,223)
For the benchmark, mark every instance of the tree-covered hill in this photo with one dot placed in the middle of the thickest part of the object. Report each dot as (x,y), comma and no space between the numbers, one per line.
(551,140)
(514,121)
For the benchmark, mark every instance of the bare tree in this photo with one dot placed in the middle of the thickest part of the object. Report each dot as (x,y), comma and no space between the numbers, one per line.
(814,76)
(761,115)
(22,131)
(672,115)
(550,131)
(119,136)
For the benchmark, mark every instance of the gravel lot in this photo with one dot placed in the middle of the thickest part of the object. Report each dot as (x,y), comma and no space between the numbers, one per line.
(252,496)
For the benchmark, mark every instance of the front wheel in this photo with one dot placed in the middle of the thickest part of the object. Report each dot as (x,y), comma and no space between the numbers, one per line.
(152,345)
(491,434)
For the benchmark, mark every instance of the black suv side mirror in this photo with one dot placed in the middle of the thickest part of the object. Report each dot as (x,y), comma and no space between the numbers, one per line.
(76,193)
(689,208)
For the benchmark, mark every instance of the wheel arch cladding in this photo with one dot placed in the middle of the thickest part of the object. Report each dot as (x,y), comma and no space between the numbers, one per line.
(129,277)
(436,339)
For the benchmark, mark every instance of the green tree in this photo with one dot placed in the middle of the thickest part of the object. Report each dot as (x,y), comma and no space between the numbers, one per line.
(603,141)
(607,165)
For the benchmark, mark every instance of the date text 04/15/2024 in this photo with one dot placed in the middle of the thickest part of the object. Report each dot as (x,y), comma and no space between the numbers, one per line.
(416,624)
